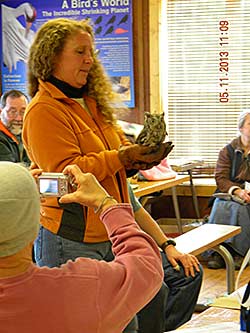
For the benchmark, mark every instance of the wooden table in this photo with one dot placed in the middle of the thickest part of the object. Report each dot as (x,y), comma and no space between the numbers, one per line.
(205,237)
(210,236)
(148,187)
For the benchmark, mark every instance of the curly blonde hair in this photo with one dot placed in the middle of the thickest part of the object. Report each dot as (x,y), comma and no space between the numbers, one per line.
(49,43)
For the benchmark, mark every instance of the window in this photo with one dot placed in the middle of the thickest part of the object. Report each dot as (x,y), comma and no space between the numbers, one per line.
(205,72)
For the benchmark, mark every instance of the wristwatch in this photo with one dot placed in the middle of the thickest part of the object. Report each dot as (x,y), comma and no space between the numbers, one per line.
(168,242)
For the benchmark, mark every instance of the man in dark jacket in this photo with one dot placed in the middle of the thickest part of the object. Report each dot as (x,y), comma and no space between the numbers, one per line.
(12,108)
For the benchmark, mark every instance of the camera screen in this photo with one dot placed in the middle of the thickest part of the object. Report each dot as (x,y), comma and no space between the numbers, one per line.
(49,186)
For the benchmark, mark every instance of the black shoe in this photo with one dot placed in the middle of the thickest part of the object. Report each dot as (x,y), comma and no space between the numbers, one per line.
(216,261)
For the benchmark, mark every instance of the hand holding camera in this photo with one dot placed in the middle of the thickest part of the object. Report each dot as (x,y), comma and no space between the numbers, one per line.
(89,192)
(74,186)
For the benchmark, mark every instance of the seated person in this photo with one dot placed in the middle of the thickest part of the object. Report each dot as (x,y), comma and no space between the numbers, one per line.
(231,172)
(12,109)
(82,296)
(182,279)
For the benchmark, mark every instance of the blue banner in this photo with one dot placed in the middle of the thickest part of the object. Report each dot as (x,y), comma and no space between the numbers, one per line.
(112,23)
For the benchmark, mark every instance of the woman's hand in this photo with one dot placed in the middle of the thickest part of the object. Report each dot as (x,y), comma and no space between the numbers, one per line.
(89,192)
(143,157)
(36,172)
(189,262)
(243,194)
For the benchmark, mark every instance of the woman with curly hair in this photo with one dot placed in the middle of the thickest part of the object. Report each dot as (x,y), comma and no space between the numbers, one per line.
(70,120)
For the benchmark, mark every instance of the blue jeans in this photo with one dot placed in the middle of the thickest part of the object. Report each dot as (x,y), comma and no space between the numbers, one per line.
(52,250)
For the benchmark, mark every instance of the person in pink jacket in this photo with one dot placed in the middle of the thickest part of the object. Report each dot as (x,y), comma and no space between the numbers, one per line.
(86,295)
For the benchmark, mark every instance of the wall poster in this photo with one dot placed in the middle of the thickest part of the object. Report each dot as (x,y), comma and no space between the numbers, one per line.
(112,23)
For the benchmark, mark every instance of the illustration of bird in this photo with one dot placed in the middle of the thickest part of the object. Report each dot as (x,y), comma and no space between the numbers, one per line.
(98,30)
(154,130)
(109,31)
(98,20)
(111,20)
(17,38)
(124,19)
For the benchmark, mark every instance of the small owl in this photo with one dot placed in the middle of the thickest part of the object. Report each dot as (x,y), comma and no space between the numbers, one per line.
(154,130)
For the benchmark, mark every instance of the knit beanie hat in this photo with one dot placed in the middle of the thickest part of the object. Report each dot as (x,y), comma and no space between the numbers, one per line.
(19,208)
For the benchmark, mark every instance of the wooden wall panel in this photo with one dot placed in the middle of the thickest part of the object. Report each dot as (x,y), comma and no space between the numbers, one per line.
(141,63)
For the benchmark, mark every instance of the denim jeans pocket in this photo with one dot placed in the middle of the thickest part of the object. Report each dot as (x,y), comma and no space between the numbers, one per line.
(38,246)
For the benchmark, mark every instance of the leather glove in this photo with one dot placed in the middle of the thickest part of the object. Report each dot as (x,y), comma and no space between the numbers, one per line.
(143,157)
(145,166)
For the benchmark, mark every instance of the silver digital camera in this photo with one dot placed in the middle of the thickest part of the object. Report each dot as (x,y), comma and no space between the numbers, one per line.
(52,184)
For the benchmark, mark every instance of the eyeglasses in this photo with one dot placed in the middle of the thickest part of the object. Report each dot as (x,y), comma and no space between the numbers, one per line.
(15,113)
